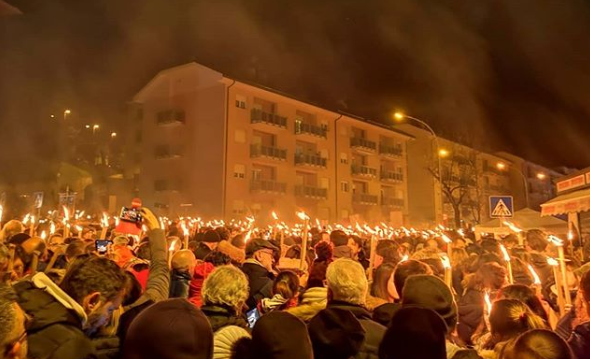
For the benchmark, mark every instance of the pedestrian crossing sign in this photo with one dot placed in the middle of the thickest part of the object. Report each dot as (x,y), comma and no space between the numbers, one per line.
(501,206)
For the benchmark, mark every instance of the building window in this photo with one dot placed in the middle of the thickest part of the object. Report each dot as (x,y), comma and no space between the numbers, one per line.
(241,101)
(344,158)
(344,186)
(239,171)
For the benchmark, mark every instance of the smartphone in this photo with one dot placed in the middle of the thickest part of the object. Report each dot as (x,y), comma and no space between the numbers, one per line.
(132,215)
(252,316)
(102,245)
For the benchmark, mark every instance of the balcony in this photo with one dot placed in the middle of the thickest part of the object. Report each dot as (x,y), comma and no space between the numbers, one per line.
(390,151)
(311,192)
(268,186)
(259,116)
(365,199)
(309,129)
(170,117)
(392,202)
(259,151)
(390,176)
(363,144)
(310,160)
(363,171)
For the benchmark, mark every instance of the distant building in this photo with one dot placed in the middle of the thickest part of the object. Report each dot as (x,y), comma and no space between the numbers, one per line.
(208,144)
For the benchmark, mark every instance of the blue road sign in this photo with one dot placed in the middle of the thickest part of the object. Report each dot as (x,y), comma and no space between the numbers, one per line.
(501,206)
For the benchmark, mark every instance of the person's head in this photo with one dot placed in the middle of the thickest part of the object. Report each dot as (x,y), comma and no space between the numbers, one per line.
(226,286)
(405,269)
(458,257)
(317,274)
(510,318)
(54,241)
(414,333)
(280,335)
(346,281)
(323,252)
(217,258)
(75,249)
(355,243)
(538,344)
(286,284)
(169,329)
(336,333)
(431,292)
(526,295)
(339,238)
(490,276)
(97,284)
(184,261)
(262,251)
(383,286)
(88,234)
(585,289)
(13,335)
(11,228)
(386,251)
(432,243)
(211,238)
(143,251)
(535,240)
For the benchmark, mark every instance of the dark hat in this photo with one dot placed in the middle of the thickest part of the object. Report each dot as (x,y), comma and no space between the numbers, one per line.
(431,292)
(223,233)
(257,244)
(414,333)
(336,333)
(280,335)
(18,238)
(211,236)
(171,329)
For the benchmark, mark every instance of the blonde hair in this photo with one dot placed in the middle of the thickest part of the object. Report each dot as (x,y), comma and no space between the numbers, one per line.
(226,285)
(347,281)
(510,318)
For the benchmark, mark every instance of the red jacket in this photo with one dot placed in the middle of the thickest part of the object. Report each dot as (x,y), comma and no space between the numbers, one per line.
(201,273)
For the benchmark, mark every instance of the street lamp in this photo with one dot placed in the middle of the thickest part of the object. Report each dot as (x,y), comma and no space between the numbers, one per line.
(541,176)
(441,152)
(502,166)
(113,134)
(66,113)
(94,128)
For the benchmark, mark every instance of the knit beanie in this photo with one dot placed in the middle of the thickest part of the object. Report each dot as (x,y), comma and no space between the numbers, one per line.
(224,340)
(335,334)
(280,335)
(431,292)
(171,329)
(414,333)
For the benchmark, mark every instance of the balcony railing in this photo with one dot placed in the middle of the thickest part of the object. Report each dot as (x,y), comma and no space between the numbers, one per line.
(392,176)
(311,160)
(362,143)
(257,151)
(259,116)
(392,202)
(268,186)
(309,129)
(170,117)
(311,192)
(365,198)
(392,151)
(363,171)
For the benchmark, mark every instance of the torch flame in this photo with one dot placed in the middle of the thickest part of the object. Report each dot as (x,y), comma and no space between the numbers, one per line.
(52,228)
(488,303)
(66,214)
(505,253)
(43,235)
(446,238)
(1,212)
(552,262)
(512,227)
(26,219)
(536,279)
(556,241)
(79,228)
(461,232)
(105,220)
(274,216)
(404,258)
(445,262)
(302,216)
(570,235)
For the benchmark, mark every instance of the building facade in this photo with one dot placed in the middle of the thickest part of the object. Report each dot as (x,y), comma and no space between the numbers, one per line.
(210,145)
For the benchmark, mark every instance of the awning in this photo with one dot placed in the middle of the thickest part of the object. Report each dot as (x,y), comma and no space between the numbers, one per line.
(578,201)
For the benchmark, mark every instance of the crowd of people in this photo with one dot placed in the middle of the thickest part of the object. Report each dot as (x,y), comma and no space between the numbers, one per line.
(223,293)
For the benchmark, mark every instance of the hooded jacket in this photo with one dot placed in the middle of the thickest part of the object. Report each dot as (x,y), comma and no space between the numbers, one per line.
(201,273)
(56,329)
(373,331)
(221,316)
(280,335)
(312,301)
(260,280)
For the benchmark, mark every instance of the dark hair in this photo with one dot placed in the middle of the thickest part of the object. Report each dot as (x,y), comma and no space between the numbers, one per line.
(535,238)
(538,343)
(132,289)
(91,274)
(389,250)
(75,248)
(405,269)
(317,274)
(323,252)
(217,258)
(143,251)
(286,284)
(338,238)
(488,276)
(381,281)
(526,295)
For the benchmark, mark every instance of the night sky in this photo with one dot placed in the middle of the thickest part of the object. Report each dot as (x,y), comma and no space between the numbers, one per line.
(497,74)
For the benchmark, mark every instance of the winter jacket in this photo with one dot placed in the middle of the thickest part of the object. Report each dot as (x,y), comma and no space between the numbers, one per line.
(221,316)
(579,341)
(342,252)
(202,251)
(373,331)
(383,313)
(179,283)
(260,280)
(106,347)
(471,310)
(56,329)
(201,273)
(311,302)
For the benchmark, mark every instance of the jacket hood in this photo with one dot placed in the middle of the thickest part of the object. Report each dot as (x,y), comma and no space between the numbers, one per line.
(358,311)
(342,252)
(315,295)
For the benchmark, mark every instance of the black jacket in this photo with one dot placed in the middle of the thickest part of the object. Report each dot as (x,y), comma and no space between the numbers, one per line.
(179,283)
(580,341)
(471,310)
(221,316)
(202,251)
(373,331)
(56,331)
(260,280)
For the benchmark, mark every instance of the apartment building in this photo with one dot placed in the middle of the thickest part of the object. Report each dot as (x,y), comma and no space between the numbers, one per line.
(466,175)
(211,145)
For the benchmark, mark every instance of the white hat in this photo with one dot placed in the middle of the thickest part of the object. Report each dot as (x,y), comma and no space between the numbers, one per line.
(224,340)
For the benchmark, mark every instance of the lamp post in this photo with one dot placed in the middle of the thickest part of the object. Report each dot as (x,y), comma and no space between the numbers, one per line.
(94,128)
(440,152)
(502,166)
(66,113)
